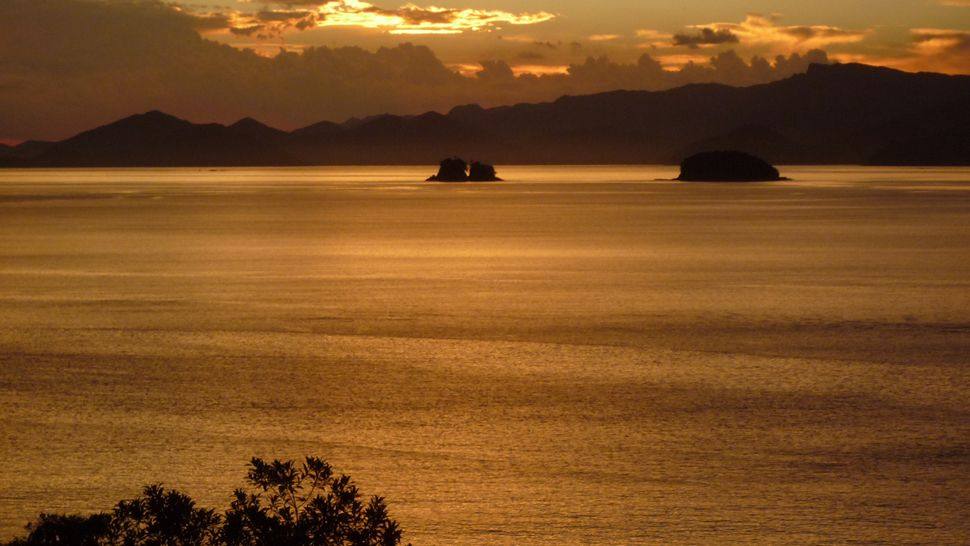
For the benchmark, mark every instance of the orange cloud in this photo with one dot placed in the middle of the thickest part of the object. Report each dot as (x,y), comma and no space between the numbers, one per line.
(931,50)
(407,19)
(760,33)
(941,50)
(603,37)
(539,69)
(766,31)
(654,38)
(674,61)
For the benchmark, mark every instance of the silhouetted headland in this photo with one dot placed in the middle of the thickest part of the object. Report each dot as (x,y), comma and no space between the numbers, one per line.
(455,169)
(846,114)
(727,166)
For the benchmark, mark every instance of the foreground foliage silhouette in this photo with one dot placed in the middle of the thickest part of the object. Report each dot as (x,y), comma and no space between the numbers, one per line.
(286,504)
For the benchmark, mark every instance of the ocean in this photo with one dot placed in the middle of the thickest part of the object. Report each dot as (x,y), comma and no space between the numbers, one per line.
(576,355)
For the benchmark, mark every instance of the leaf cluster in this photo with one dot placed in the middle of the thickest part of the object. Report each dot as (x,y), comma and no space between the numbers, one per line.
(284,504)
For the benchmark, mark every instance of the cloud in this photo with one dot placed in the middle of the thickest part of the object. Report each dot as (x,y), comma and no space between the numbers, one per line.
(530,56)
(767,31)
(603,37)
(935,40)
(706,36)
(406,19)
(208,22)
(666,71)
(756,34)
(930,49)
(945,50)
(956,3)
(679,60)
(56,80)
(496,71)
(654,38)
(530,70)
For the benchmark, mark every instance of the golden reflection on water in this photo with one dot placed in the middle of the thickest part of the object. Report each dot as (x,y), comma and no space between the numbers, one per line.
(582,354)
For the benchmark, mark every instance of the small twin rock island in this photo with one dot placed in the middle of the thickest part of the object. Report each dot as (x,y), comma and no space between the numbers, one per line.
(727,166)
(454,169)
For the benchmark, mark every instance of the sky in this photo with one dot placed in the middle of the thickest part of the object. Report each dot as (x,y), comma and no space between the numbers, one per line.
(908,34)
(66,65)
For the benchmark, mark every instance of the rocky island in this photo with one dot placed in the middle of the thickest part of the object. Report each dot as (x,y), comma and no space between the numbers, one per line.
(454,169)
(727,166)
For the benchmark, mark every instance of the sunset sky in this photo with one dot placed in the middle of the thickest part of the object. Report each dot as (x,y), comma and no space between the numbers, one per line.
(912,34)
(68,64)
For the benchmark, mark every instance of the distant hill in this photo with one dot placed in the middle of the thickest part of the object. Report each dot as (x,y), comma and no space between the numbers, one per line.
(23,154)
(24,151)
(258,131)
(158,139)
(388,139)
(847,113)
(761,141)
(950,146)
(831,114)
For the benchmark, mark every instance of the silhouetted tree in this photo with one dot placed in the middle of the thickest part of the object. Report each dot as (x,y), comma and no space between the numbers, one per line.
(286,505)
(307,504)
(49,529)
(160,517)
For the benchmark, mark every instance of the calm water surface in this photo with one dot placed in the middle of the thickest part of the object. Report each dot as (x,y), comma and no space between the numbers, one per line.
(580,354)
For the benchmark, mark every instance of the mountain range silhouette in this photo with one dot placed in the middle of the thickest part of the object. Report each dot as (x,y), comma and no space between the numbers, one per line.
(832,114)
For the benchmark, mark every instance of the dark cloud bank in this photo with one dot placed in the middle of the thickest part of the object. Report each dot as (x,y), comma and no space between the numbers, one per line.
(706,36)
(67,65)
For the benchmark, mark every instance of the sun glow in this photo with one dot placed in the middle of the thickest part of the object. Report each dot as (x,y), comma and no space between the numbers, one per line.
(407,20)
